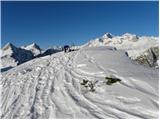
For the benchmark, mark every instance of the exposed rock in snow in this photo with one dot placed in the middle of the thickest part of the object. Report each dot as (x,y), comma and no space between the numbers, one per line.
(34,48)
(52,87)
(9,48)
(50,51)
(130,37)
(12,56)
(107,35)
(149,57)
(134,45)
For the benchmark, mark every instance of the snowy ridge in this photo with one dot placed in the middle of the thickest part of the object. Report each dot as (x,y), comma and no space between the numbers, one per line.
(131,43)
(34,48)
(138,48)
(135,46)
(50,87)
(12,56)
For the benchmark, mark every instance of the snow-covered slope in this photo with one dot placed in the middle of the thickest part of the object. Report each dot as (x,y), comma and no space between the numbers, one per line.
(134,45)
(53,87)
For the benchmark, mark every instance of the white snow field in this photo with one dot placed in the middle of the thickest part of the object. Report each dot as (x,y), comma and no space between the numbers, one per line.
(51,87)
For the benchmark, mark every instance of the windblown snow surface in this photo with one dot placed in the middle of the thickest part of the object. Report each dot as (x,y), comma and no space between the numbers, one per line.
(50,87)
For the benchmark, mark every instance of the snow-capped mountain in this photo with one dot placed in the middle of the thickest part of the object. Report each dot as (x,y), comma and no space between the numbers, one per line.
(12,56)
(93,82)
(107,35)
(138,48)
(34,48)
(135,46)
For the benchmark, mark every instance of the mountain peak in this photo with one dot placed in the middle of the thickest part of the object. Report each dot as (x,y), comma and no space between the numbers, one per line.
(130,37)
(8,46)
(33,45)
(107,35)
(34,48)
(128,34)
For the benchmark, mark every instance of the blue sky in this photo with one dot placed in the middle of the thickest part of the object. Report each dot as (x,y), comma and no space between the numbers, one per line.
(59,23)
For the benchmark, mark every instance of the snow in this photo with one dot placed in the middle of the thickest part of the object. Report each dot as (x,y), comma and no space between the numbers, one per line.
(8,49)
(11,55)
(34,48)
(134,45)
(107,35)
(50,87)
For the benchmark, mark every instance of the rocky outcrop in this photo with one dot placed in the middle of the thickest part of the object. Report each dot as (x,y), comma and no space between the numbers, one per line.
(150,57)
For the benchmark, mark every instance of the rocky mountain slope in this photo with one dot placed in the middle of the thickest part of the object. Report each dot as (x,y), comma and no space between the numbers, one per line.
(12,56)
(34,48)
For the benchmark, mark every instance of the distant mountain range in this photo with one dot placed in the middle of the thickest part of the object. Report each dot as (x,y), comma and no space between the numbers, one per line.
(143,49)
(12,56)
(97,80)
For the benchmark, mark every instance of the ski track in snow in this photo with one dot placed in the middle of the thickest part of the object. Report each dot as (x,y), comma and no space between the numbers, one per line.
(50,88)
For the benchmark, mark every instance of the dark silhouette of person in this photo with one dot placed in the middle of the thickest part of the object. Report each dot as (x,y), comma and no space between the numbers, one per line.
(66,48)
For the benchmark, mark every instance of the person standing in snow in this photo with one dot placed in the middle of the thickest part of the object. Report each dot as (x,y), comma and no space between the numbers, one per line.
(66,48)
